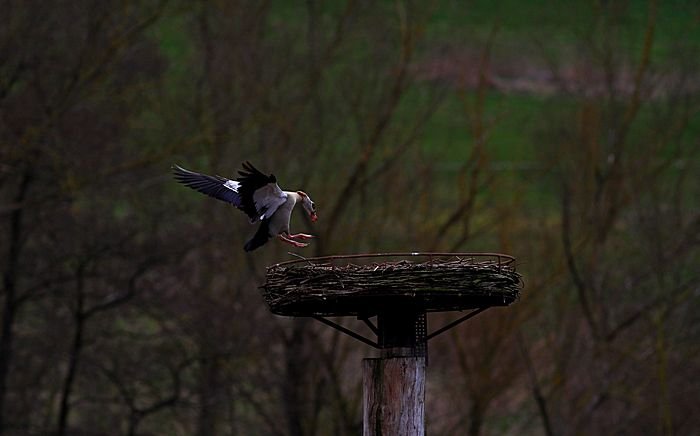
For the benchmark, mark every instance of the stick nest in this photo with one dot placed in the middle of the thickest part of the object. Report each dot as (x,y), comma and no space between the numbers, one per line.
(310,288)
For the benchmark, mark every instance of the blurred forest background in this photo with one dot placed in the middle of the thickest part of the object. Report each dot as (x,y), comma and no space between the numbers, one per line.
(564,133)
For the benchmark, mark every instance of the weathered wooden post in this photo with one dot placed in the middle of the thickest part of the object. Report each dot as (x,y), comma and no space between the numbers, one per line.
(394,396)
(394,383)
(399,294)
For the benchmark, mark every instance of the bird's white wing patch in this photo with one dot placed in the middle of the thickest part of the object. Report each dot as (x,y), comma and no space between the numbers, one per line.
(232,185)
(268,199)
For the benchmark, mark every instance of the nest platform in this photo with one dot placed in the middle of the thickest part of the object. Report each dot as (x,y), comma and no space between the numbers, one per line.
(365,285)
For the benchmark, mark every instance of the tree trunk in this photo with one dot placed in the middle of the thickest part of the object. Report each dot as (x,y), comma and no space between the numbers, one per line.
(74,359)
(476,418)
(295,377)
(11,305)
(394,396)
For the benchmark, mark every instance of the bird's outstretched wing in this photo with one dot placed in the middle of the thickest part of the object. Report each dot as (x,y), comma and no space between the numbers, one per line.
(214,186)
(261,196)
(256,194)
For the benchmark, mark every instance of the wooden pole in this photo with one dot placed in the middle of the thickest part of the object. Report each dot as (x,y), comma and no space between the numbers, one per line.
(394,396)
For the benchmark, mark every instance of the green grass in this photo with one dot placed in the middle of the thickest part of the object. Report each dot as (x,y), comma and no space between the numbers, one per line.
(510,122)
(174,39)
(564,23)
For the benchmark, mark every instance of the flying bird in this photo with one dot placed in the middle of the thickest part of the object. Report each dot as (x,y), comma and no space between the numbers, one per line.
(259,196)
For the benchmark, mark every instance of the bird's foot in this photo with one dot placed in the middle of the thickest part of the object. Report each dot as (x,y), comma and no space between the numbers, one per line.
(292,242)
(301,236)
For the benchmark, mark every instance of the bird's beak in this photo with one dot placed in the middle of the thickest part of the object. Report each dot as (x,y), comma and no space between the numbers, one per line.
(313,217)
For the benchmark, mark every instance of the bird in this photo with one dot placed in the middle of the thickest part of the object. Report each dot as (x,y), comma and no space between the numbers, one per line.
(258,196)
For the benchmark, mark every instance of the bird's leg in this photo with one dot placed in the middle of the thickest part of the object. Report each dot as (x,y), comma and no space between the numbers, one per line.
(301,236)
(291,241)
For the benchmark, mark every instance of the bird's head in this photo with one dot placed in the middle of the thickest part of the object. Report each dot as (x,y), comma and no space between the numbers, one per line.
(308,205)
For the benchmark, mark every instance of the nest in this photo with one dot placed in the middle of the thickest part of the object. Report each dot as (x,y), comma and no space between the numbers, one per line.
(439,282)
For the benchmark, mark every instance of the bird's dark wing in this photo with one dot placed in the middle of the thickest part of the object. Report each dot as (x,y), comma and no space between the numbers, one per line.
(260,237)
(260,194)
(214,186)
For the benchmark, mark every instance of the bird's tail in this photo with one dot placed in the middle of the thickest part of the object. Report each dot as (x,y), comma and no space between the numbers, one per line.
(260,237)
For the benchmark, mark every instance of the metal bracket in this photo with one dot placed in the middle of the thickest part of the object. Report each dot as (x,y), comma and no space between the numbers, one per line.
(422,340)
(441,330)
(369,324)
(347,331)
